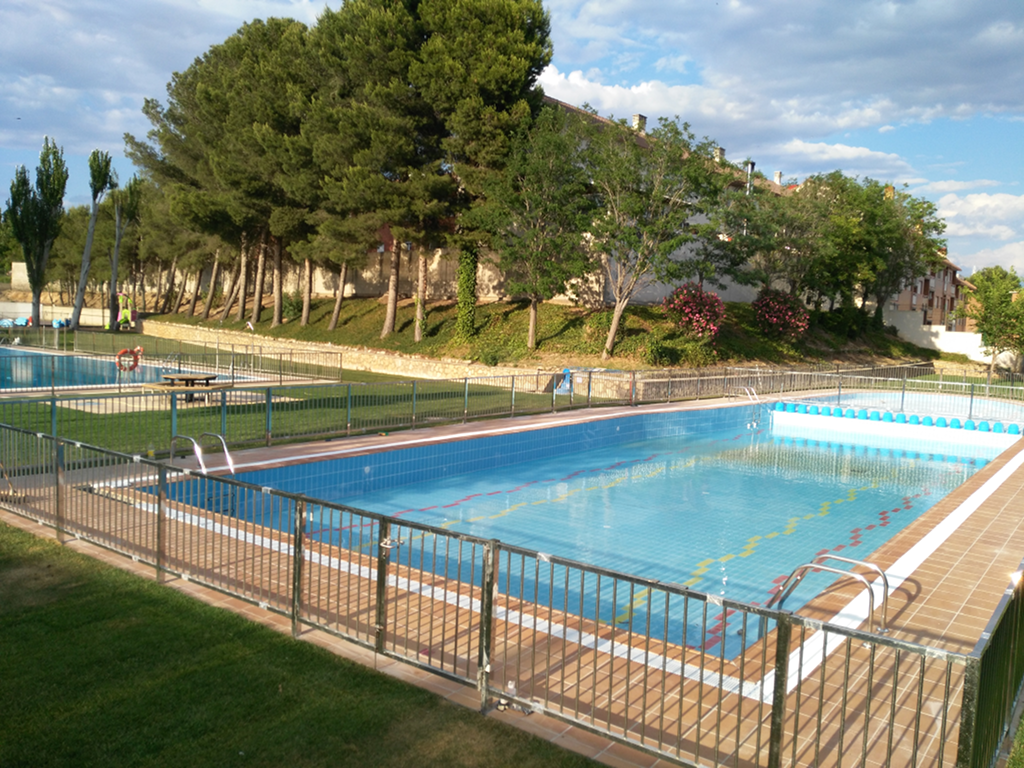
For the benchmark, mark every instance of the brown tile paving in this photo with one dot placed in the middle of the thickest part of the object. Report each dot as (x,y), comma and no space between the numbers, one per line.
(946,604)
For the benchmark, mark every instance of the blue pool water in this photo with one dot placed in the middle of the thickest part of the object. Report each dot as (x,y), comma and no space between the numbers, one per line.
(24,369)
(697,498)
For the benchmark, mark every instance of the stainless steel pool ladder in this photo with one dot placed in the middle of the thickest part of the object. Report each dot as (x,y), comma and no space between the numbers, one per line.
(800,571)
(198,449)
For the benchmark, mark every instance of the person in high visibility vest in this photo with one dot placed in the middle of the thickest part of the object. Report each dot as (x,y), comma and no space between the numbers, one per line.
(124,311)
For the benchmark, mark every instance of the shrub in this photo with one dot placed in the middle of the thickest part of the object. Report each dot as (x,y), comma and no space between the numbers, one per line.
(698,313)
(657,353)
(780,315)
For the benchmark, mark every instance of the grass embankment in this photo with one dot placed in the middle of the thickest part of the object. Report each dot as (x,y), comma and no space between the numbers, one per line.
(571,336)
(102,668)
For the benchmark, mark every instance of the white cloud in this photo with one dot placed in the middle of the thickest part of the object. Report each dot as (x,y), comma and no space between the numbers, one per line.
(996,216)
(1009,255)
(673,63)
(886,129)
(955,186)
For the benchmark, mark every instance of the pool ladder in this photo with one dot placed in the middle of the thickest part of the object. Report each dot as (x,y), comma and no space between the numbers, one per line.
(794,579)
(198,449)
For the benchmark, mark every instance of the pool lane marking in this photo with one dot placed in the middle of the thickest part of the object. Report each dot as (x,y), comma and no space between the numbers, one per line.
(855,613)
(752,543)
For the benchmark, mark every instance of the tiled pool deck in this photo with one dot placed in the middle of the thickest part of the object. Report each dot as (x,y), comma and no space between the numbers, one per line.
(945,603)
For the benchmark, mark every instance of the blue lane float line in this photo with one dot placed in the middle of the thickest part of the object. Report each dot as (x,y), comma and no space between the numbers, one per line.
(969,425)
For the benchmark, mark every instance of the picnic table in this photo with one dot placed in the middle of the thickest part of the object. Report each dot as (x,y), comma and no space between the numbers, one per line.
(190,383)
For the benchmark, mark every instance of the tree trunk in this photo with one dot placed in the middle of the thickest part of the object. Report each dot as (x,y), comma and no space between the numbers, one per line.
(168,293)
(307,290)
(180,295)
(195,293)
(243,287)
(421,295)
(278,283)
(531,339)
(261,273)
(389,317)
(609,344)
(229,296)
(214,274)
(342,279)
(114,258)
(83,278)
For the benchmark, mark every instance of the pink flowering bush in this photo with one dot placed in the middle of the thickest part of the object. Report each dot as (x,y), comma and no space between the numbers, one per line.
(780,315)
(697,312)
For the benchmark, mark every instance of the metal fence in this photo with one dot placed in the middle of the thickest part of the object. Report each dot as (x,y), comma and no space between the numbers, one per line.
(145,422)
(689,676)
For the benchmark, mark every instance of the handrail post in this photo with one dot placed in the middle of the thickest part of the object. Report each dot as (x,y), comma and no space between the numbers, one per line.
(383,549)
(487,595)
(297,558)
(783,632)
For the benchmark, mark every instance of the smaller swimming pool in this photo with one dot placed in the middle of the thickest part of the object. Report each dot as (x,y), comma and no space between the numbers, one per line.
(22,368)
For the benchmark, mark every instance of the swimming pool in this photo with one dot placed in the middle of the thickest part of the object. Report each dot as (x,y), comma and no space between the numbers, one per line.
(26,369)
(705,499)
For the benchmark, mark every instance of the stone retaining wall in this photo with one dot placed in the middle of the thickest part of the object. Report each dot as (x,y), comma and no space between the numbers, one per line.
(353,358)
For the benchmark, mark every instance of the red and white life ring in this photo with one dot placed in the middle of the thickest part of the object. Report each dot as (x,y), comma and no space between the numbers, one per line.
(128,359)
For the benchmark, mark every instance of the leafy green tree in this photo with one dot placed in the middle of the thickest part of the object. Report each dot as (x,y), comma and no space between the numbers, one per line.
(997,311)
(477,68)
(36,212)
(102,179)
(903,242)
(539,209)
(650,187)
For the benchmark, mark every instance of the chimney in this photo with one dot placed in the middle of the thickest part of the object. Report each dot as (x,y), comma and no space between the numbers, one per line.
(719,154)
(640,123)
(778,178)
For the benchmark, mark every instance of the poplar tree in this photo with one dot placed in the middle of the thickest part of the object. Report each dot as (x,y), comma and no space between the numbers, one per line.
(102,179)
(36,212)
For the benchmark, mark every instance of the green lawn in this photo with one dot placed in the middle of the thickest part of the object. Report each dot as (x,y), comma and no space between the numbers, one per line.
(102,668)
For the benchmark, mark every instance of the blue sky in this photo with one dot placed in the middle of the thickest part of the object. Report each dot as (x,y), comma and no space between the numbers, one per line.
(929,93)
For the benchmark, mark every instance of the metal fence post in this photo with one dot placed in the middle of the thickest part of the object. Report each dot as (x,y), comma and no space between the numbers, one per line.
(632,387)
(487,589)
(348,412)
(297,558)
(174,415)
(53,416)
(59,500)
(512,406)
(161,523)
(224,413)
(970,407)
(465,402)
(414,404)
(968,714)
(269,423)
(383,549)
(590,378)
(783,631)
(903,396)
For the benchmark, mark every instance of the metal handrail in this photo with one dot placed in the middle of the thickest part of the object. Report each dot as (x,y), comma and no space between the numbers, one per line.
(197,449)
(224,445)
(800,571)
